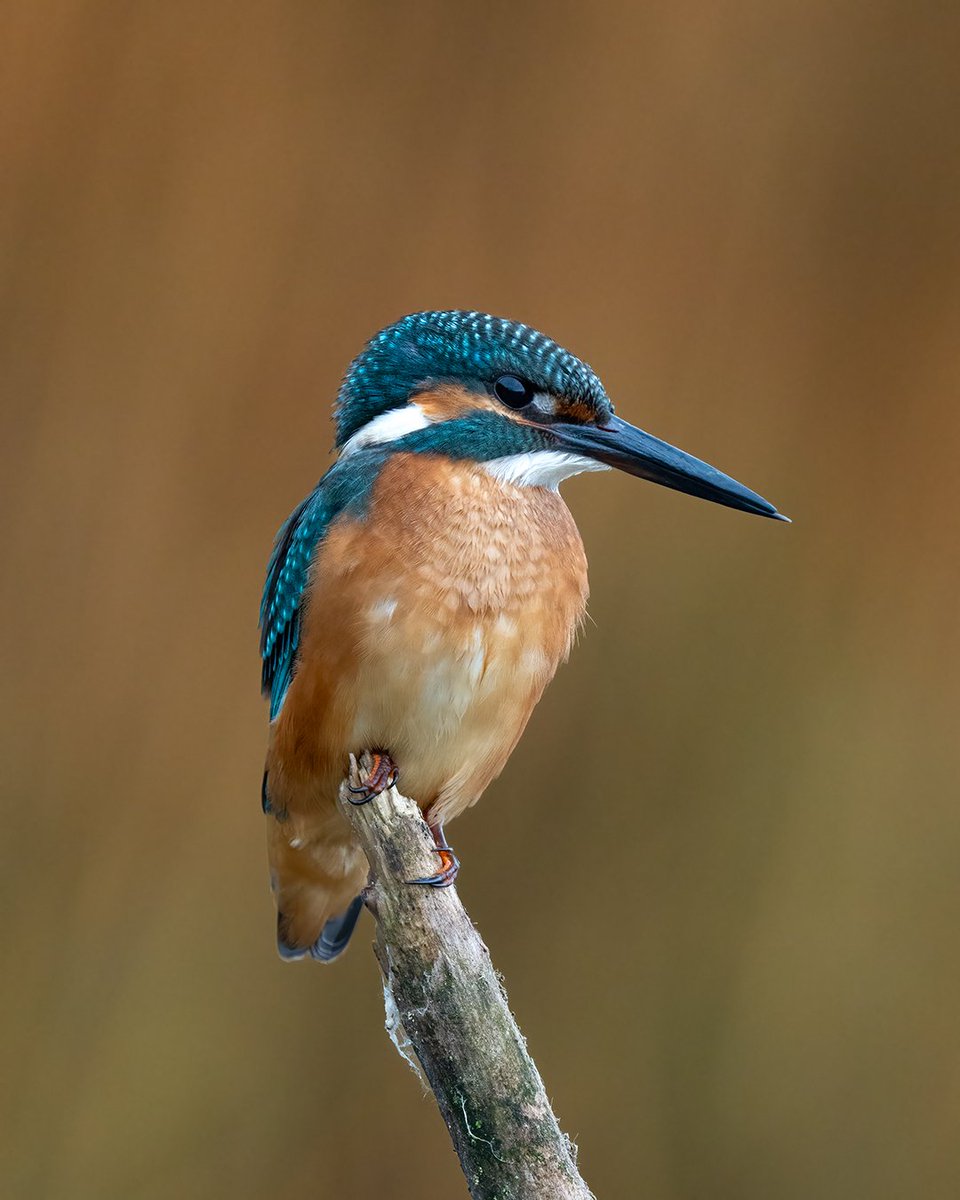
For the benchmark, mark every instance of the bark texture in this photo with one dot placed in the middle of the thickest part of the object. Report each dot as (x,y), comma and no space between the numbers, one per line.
(440,987)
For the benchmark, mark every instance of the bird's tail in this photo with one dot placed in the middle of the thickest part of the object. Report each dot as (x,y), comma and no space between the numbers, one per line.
(317,870)
(332,940)
(317,908)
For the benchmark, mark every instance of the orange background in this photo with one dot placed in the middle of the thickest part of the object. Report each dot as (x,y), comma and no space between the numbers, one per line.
(720,873)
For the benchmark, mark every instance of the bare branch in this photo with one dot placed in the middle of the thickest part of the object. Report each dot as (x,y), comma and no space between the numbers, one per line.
(441,988)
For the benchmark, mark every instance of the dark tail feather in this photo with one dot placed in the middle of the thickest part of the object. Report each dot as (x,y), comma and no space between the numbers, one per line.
(336,933)
(332,941)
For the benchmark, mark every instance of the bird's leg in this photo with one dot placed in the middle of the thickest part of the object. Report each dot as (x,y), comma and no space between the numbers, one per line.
(449,863)
(384,774)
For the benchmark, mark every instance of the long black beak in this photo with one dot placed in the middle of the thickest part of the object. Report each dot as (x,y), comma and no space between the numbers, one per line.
(619,444)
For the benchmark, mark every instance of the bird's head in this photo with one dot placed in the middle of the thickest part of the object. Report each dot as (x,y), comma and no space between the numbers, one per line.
(483,389)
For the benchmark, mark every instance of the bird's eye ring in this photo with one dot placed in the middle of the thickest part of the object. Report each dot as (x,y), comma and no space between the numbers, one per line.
(513,391)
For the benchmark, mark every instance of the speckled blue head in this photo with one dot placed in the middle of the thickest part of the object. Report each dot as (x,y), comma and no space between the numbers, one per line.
(470,349)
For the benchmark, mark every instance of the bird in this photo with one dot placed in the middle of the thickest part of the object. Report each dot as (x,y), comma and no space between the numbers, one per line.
(423,595)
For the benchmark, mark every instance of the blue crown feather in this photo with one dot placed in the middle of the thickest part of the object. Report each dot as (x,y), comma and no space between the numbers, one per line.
(469,348)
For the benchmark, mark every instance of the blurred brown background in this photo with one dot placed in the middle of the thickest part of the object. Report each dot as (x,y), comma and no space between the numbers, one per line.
(720,872)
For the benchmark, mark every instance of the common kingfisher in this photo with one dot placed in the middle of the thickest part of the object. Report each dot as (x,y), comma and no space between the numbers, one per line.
(421,598)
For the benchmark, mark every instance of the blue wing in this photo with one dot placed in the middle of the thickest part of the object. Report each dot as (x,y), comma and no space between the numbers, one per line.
(346,486)
(287,572)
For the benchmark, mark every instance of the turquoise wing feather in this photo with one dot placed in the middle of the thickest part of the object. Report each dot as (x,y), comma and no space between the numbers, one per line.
(343,490)
(293,551)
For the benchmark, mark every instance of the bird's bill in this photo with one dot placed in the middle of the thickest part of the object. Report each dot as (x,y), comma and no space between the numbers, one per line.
(621,445)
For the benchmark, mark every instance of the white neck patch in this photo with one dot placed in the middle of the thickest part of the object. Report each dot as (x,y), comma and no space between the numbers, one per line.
(540,468)
(387,428)
(536,468)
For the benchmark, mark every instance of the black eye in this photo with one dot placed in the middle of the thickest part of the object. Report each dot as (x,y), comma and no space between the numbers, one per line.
(513,391)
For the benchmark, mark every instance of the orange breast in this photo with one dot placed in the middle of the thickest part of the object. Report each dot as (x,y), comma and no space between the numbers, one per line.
(431,629)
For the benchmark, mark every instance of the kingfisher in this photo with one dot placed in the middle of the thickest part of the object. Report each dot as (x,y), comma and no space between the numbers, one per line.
(420,599)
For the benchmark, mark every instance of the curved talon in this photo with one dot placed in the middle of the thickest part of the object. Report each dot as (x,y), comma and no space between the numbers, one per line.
(446,876)
(449,863)
(384,775)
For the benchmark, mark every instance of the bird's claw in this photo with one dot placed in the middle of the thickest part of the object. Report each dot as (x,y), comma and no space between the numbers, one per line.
(449,863)
(382,776)
(446,876)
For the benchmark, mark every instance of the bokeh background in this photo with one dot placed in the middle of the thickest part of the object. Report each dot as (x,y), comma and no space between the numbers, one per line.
(720,873)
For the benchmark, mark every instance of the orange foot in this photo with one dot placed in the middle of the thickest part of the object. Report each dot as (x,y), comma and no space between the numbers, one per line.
(384,774)
(449,863)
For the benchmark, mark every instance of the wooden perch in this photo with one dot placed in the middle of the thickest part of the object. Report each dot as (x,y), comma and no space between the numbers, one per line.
(440,986)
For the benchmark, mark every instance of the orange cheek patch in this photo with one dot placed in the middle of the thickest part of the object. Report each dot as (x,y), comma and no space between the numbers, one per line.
(576,411)
(448,402)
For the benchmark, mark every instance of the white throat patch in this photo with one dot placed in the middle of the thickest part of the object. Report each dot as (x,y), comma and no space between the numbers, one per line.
(540,468)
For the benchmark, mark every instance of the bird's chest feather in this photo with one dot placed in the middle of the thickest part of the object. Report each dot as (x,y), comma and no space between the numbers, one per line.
(477,579)
(440,617)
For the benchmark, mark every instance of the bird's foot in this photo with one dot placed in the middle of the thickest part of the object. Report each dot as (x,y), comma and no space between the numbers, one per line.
(383,775)
(449,863)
